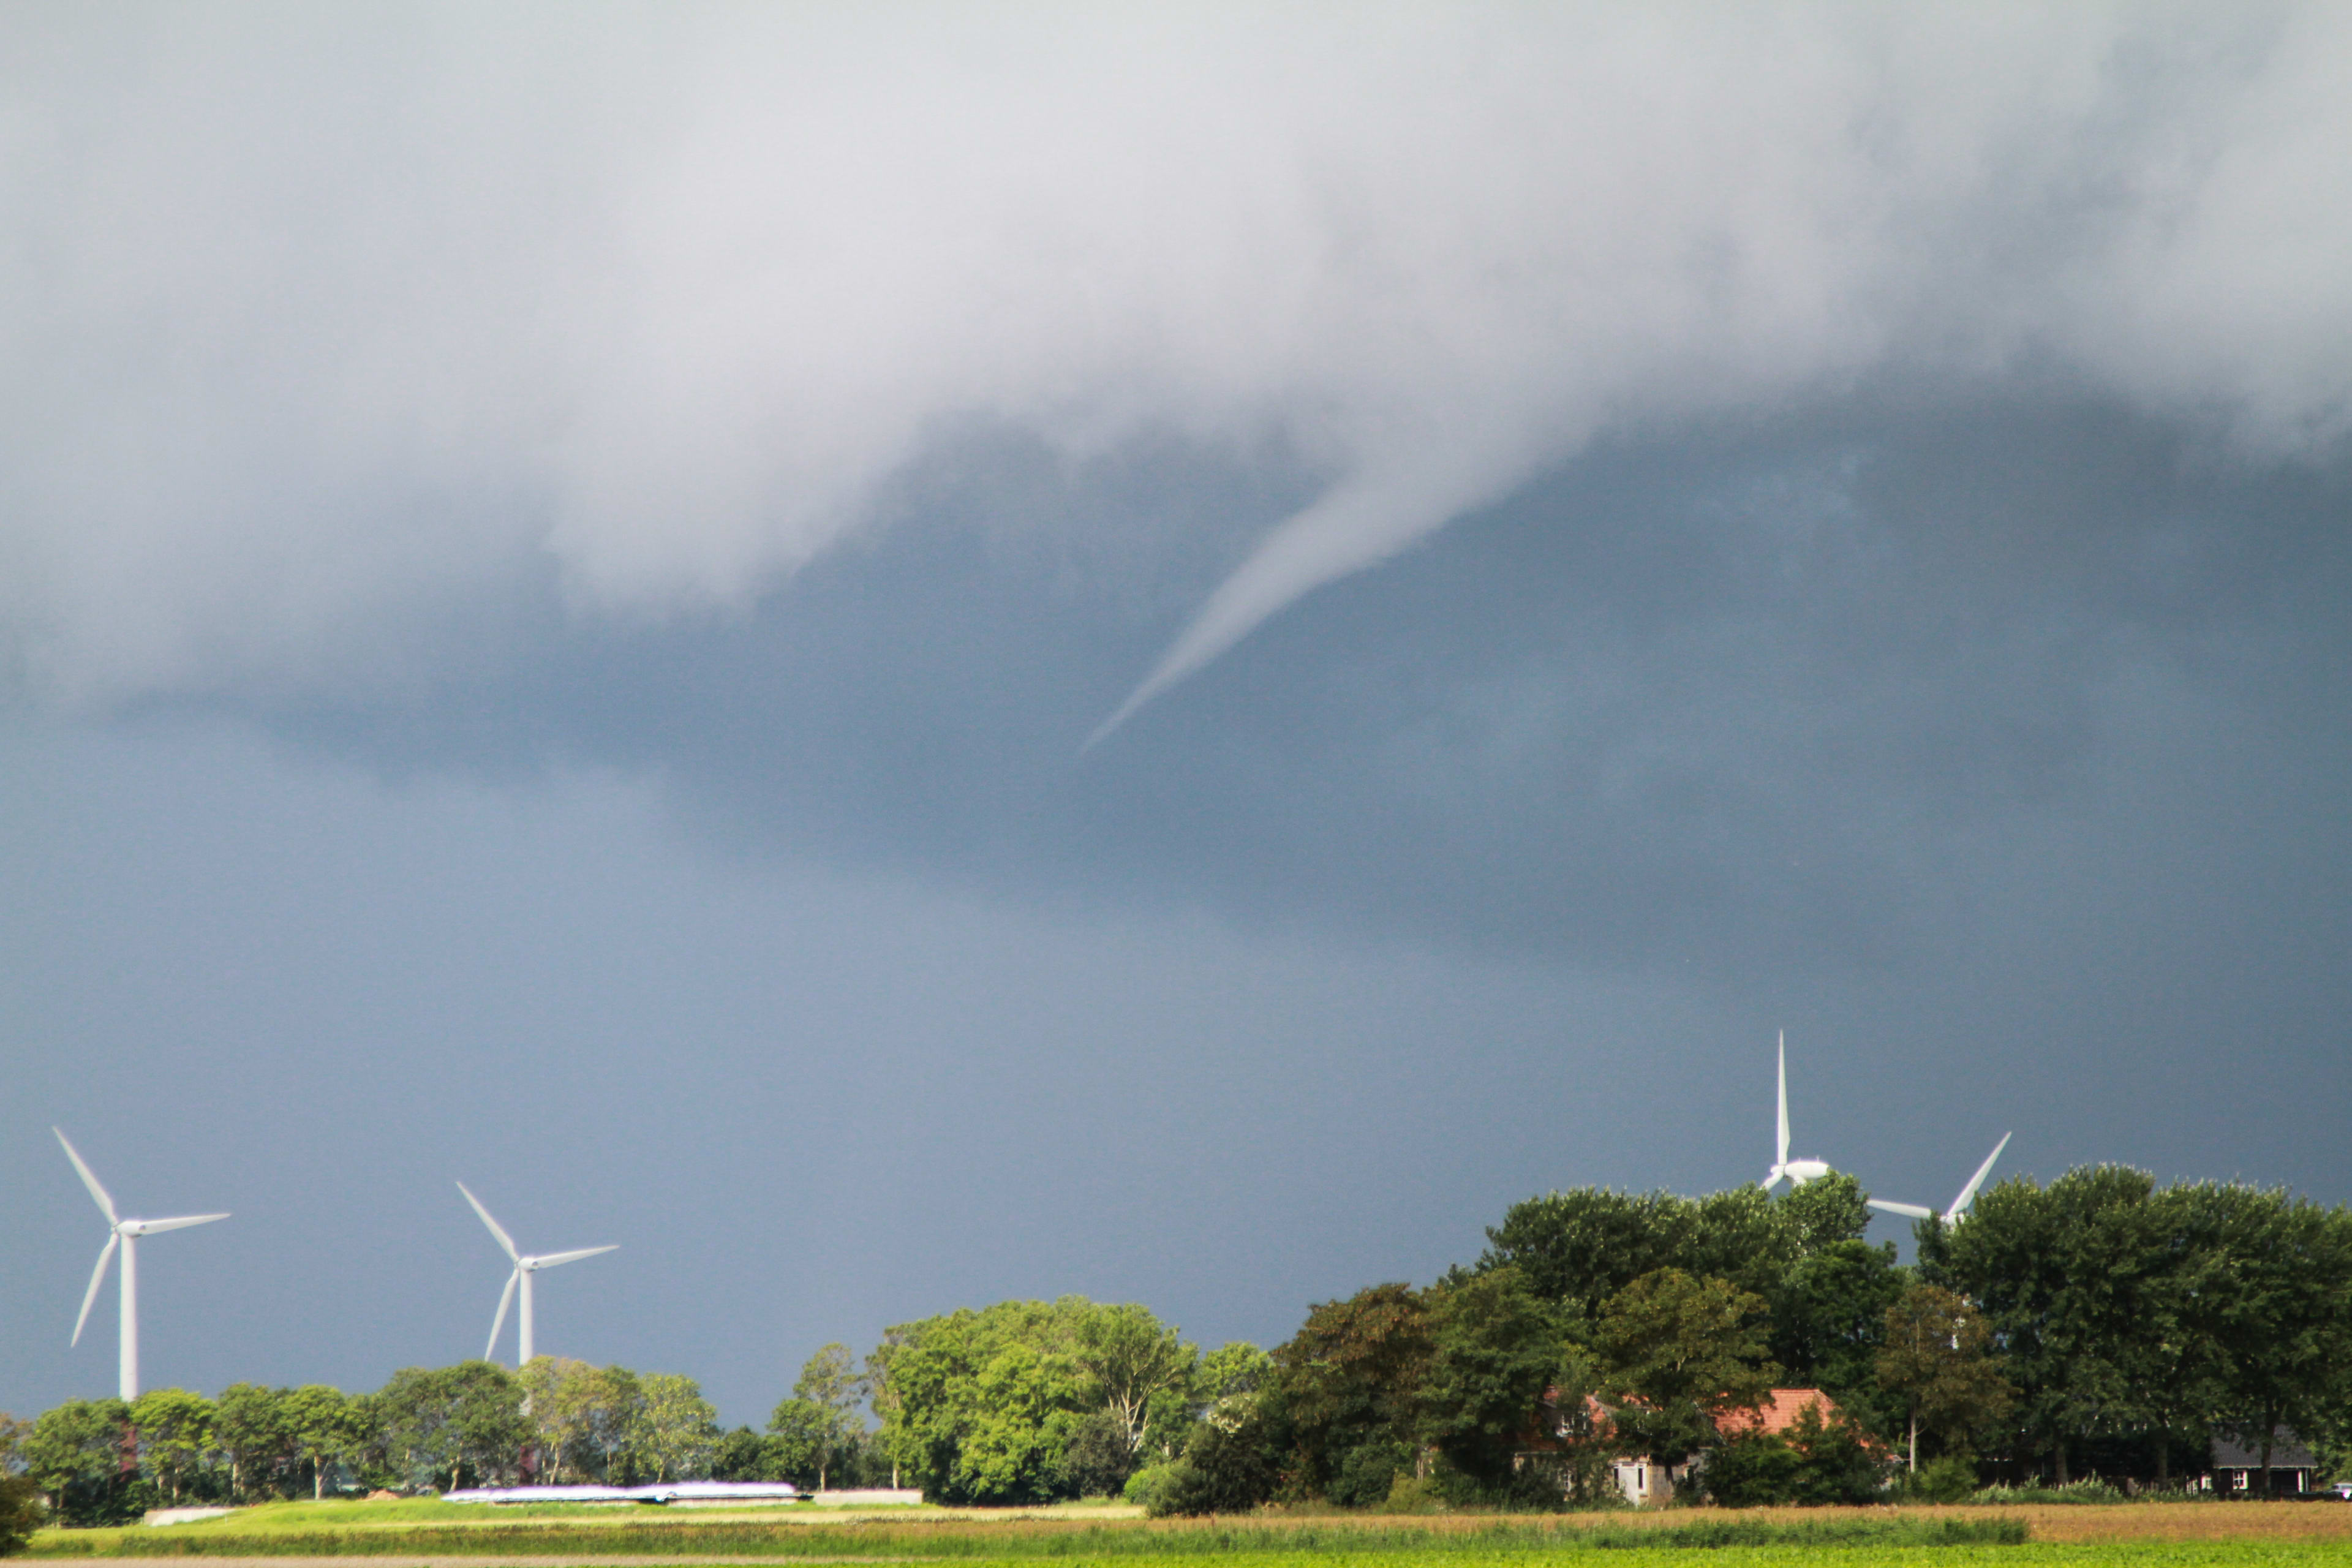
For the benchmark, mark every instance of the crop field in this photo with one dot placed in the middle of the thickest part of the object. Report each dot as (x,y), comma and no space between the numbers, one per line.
(430,1535)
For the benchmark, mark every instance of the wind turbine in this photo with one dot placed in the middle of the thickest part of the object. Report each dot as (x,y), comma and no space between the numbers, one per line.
(126,1234)
(1797,1171)
(525,1266)
(1959,1205)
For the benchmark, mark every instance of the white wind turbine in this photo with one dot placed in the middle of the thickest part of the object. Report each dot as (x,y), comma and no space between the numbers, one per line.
(525,1266)
(1797,1171)
(126,1234)
(1959,1205)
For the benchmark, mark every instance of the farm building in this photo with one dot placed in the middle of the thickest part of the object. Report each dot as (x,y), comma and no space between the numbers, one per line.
(2238,1465)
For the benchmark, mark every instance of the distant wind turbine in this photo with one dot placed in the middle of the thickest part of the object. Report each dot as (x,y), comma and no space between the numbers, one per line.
(126,1234)
(1797,1171)
(1961,1204)
(525,1266)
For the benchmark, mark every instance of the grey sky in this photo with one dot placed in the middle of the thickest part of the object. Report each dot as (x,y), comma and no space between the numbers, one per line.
(555,572)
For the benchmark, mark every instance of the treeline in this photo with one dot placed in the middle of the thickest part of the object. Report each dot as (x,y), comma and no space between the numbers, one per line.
(102,1461)
(2102,1325)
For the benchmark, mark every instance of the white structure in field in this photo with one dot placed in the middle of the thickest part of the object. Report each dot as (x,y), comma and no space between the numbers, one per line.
(126,1234)
(525,1266)
(1961,1204)
(1797,1171)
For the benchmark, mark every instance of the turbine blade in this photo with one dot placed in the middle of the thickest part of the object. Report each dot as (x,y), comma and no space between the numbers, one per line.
(1968,1193)
(1782,1158)
(97,1278)
(496,1229)
(506,1300)
(552,1259)
(1908,1211)
(105,1202)
(150,1227)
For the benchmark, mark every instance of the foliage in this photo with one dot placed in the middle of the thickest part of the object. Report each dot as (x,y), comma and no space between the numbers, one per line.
(437,1426)
(1494,1351)
(175,1431)
(21,1512)
(1937,1363)
(83,1454)
(586,1422)
(1350,1378)
(1815,1462)
(1676,1353)
(677,1429)
(1952,1478)
(1130,1356)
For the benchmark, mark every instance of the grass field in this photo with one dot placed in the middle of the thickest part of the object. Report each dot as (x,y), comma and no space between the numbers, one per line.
(446,1534)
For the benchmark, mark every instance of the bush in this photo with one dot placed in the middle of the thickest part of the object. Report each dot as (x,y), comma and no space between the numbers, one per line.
(20,1513)
(1222,1471)
(1815,1462)
(1952,1478)
(1368,1472)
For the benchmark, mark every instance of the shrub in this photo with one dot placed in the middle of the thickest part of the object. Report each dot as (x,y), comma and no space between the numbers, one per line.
(1952,1478)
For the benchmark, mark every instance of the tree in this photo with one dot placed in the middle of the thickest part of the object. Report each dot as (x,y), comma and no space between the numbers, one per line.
(804,1436)
(831,1382)
(325,1428)
(1937,1361)
(1815,1463)
(2280,1314)
(255,1433)
(175,1432)
(1494,1350)
(20,1495)
(585,1419)
(1829,1317)
(1677,1352)
(76,1454)
(1347,1389)
(677,1429)
(435,1424)
(1131,1356)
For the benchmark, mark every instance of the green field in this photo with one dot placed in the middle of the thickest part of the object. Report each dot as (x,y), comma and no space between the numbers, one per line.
(425,1531)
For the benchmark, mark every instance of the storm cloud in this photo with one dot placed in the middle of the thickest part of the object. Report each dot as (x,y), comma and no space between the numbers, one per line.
(319,323)
(559,567)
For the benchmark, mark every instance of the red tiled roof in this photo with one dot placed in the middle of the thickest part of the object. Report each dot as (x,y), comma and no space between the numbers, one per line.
(1779,1413)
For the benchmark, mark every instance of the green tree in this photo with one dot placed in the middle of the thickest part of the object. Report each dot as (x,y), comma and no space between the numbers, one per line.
(1130,1356)
(1348,1390)
(1937,1361)
(803,1438)
(80,1454)
(435,1425)
(255,1433)
(830,1381)
(677,1429)
(583,1419)
(1815,1463)
(2279,1315)
(981,1407)
(324,1429)
(176,1434)
(1676,1353)
(1494,1350)
(1829,1318)
(21,1512)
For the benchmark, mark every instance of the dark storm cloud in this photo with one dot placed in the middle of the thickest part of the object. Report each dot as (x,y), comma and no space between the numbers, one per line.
(1767,692)
(321,322)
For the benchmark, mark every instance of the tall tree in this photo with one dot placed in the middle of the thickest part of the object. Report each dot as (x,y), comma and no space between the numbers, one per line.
(677,1429)
(1494,1349)
(1131,1356)
(325,1428)
(255,1433)
(1677,1352)
(75,1452)
(1937,1361)
(1348,1385)
(175,1432)
(2281,1315)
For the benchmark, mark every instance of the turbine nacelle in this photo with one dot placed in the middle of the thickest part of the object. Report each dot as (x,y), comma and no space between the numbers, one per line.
(525,1266)
(121,1233)
(1796,1172)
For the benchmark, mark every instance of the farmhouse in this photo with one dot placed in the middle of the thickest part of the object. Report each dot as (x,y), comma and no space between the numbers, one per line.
(1644,1479)
(2238,1465)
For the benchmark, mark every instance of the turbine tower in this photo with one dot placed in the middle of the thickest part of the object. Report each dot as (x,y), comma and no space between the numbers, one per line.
(1961,1204)
(125,1235)
(1797,1171)
(525,1266)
